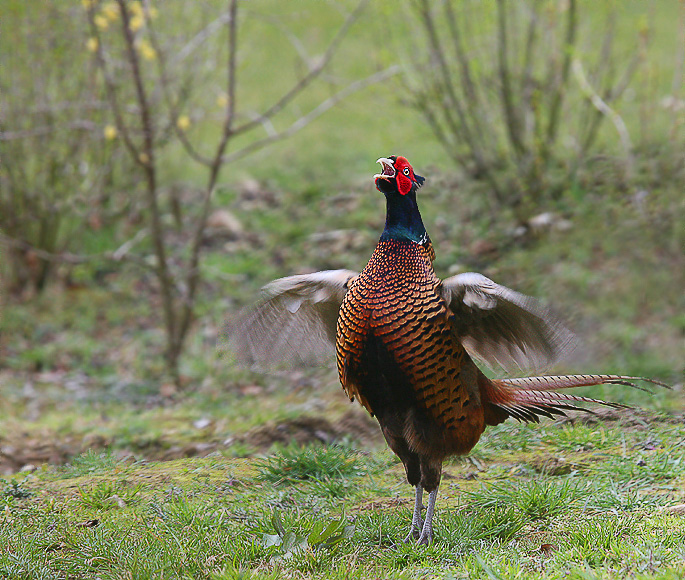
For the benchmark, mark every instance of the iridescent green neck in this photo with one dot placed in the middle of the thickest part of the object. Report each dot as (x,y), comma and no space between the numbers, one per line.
(403,220)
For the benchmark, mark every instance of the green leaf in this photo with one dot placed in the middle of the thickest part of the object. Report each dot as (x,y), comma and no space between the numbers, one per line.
(271,540)
(316,535)
(278,524)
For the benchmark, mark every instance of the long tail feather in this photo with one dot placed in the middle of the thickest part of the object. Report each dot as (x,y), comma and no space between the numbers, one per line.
(527,399)
(571,381)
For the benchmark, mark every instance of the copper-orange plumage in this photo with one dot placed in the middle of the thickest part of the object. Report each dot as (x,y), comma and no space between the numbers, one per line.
(405,342)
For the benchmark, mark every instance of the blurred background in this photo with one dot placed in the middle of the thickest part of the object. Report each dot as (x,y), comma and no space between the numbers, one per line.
(161,161)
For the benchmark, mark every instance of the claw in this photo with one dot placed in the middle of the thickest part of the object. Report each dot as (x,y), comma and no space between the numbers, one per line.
(414,532)
(426,537)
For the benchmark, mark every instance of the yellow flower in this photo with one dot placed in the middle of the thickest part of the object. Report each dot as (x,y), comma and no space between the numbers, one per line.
(92,44)
(183,122)
(153,12)
(146,50)
(143,158)
(87,4)
(110,10)
(110,132)
(222,101)
(136,23)
(136,8)
(101,21)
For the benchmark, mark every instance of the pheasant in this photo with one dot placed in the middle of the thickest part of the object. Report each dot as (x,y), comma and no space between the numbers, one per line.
(405,343)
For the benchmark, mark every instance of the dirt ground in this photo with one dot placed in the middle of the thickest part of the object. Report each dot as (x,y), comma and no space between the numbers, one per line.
(20,452)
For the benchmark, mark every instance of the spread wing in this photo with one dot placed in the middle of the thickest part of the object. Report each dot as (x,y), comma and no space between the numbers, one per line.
(294,323)
(501,327)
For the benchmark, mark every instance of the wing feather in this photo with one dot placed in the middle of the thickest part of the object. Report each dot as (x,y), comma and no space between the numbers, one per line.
(294,323)
(503,328)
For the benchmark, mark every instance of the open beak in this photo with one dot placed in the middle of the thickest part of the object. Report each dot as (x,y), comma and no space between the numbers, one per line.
(388,169)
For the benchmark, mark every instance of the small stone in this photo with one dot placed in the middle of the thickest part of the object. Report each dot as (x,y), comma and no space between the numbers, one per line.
(119,502)
(223,221)
(202,423)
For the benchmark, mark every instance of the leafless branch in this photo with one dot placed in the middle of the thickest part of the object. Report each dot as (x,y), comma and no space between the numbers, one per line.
(294,40)
(568,50)
(110,88)
(679,68)
(166,87)
(527,85)
(510,114)
(199,39)
(470,88)
(179,280)
(314,113)
(606,110)
(188,306)
(461,129)
(121,254)
(149,170)
(314,72)
(48,130)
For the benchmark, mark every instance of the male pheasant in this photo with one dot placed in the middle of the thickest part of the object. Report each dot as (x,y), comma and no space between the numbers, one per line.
(405,339)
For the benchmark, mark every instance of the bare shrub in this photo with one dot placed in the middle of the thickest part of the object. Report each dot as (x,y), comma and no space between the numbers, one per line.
(505,89)
(59,173)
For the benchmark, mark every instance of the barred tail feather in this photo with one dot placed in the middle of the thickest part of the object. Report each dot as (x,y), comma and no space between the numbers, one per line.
(527,399)
(551,383)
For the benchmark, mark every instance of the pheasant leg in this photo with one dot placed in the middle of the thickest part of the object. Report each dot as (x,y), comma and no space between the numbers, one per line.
(426,536)
(416,521)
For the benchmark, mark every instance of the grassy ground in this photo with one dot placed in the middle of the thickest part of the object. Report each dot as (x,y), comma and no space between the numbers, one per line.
(574,500)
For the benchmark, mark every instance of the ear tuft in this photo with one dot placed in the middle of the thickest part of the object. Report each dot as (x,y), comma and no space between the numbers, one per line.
(419,180)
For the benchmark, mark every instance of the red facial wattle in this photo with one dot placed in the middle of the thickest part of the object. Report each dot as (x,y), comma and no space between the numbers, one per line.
(399,170)
(404,175)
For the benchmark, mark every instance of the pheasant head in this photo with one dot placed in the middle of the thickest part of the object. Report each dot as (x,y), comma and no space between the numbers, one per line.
(399,183)
(397,177)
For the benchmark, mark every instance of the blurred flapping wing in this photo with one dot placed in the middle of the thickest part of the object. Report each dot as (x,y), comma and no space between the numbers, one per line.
(501,327)
(294,323)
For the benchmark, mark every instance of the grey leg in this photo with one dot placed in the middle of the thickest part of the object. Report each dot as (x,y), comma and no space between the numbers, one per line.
(426,536)
(416,521)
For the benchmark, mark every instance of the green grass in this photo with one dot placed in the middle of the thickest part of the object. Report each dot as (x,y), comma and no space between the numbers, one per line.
(219,517)
(315,463)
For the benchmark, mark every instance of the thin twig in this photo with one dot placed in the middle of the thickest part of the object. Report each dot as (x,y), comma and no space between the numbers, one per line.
(314,113)
(470,87)
(568,50)
(679,68)
(199,39)
(527,84)
(149,169)
(121,254)
(48,130)
(166,91)
(512,121)
(313,73)
(193,277)
(462,128)
(606,110)
(111,90)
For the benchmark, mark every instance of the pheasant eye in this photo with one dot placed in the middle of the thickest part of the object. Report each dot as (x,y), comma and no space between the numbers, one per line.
(406,171)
